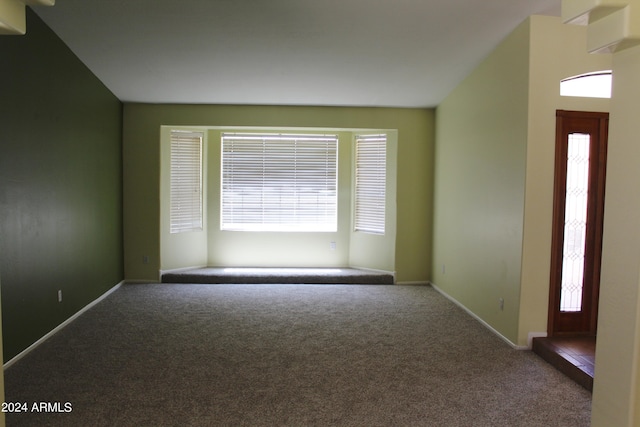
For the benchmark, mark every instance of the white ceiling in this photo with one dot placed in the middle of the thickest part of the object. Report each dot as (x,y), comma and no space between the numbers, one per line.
(397,53)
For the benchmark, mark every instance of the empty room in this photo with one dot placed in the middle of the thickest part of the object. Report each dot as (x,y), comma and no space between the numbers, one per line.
(320,213)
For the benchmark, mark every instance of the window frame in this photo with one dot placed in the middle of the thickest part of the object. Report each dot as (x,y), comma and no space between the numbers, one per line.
(282,174)
(597,84)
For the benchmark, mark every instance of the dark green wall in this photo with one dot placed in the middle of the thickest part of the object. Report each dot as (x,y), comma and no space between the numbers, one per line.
(60,185)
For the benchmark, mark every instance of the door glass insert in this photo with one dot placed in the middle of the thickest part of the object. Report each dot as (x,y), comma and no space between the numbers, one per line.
(575,225)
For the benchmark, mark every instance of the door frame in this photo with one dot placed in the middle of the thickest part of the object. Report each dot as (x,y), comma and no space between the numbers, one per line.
(585,321)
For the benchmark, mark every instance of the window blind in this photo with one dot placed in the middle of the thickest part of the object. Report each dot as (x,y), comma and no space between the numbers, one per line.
(186,182)
(279,182)
(371,168)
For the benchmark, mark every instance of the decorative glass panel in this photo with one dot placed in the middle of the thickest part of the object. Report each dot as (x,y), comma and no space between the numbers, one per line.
(575,226)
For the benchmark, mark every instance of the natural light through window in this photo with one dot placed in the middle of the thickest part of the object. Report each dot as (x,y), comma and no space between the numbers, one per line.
(279,182)
(591,85)
(371,179)
(186,182)
(575,227)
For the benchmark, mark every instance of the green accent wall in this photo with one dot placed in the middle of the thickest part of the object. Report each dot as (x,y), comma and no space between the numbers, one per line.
(60,185)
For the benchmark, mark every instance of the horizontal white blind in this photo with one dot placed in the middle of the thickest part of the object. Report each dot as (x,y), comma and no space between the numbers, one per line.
(371,165)
(186,182)
(276,182)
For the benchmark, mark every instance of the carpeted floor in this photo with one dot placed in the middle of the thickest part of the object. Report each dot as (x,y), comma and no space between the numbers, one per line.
(289,355)
(244,275)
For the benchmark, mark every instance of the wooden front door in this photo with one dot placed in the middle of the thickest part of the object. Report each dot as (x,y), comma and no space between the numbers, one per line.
(581,151)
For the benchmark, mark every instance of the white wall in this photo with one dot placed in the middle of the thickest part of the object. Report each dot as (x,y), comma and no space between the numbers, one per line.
(215,247)
(273,249)
(616,391)
(557,51)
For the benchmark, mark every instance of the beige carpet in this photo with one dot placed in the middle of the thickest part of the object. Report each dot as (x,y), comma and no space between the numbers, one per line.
(287,355)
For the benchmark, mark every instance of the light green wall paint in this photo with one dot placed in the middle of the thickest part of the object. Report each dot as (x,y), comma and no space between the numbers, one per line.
(142,124)
(481,137)
(495,153)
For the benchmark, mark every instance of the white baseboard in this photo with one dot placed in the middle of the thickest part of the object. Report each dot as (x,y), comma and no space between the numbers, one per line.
(413,283)
(60,326)
(475,316)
